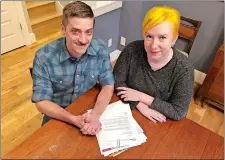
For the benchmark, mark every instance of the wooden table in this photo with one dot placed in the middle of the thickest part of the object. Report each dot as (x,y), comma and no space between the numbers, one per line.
(170,140)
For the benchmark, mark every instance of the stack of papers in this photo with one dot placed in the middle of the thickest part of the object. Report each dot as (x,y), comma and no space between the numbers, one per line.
(119,131)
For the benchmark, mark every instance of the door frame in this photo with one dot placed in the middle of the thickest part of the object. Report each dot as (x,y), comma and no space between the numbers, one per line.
(23,18)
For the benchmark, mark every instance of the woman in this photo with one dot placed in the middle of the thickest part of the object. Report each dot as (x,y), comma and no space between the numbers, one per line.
(153,76)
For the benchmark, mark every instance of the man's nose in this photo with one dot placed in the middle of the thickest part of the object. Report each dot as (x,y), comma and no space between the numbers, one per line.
(82,38)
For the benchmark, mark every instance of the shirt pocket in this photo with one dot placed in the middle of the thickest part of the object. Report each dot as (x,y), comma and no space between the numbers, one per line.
(61,83)
(90,78)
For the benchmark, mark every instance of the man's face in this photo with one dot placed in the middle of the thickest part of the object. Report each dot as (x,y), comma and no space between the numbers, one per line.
(78,33)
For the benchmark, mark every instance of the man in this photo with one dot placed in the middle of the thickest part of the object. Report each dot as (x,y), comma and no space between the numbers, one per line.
(68,67)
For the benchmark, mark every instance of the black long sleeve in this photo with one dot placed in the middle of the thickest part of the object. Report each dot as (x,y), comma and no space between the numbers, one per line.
(171,86)
(121,71)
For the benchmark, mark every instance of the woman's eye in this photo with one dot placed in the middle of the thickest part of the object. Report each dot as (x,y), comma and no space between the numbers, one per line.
(162,37)
(149,36)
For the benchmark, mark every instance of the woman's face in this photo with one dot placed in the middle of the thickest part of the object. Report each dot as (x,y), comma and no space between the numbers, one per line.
(159,40)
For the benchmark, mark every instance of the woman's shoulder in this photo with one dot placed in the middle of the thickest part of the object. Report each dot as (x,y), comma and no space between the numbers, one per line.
(183,62)
(134,47)
(137,43)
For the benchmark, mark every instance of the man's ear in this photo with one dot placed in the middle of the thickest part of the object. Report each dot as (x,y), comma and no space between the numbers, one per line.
(175,39)
(63,29)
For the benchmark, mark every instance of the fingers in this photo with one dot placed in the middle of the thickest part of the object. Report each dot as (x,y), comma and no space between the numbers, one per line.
(94,131)
(123,96)
(122,88)
(152,119)
(85,127)
(121,93)
(78,121)
(87,117)
(156,116)
(89,131)
(91,128)
(160,117)
(82,123)
(98,130)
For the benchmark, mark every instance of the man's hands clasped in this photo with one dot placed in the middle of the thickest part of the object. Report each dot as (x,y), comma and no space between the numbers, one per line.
(88,123)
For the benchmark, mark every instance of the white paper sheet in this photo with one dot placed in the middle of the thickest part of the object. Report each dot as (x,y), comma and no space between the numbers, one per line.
(119,129)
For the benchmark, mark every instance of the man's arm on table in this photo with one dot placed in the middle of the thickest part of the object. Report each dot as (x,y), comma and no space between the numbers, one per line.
(106,79)
(55,111)
(93,124)
(103,99)
(43,91)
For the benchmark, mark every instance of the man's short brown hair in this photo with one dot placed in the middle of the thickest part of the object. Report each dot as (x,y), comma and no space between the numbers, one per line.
(76,9)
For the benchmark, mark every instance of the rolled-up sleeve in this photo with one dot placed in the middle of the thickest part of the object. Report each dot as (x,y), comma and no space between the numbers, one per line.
(42,86)
(106,76)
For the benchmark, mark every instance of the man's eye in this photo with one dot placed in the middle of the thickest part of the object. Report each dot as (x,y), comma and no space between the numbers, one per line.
(89,32)
(75,32)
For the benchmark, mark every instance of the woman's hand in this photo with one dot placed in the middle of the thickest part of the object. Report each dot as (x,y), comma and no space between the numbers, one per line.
(151,114)
(128,94)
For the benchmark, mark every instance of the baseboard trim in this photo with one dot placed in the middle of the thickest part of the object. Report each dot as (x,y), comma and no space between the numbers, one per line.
(199,76)
(32,38)
(114,55)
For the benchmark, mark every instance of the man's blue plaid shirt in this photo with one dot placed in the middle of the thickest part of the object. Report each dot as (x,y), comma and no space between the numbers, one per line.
(57,79)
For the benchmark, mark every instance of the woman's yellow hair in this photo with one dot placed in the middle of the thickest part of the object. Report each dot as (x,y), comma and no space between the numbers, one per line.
(159,14)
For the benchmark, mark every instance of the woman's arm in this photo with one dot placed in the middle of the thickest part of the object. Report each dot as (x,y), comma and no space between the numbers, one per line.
(177,106)
(121,71)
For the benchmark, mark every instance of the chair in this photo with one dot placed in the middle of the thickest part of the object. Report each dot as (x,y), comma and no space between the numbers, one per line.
(189,32)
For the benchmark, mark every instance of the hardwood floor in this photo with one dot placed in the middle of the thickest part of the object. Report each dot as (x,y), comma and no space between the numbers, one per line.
(19,116)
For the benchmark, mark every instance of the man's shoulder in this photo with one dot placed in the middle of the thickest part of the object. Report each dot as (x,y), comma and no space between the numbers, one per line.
(50,49)
(98,43)
(99,47)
